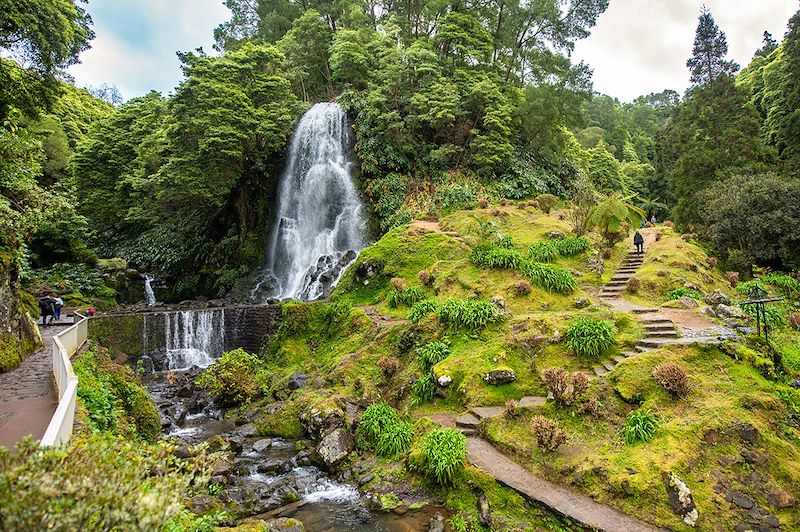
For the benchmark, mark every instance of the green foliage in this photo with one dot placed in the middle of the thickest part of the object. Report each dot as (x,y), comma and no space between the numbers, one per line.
(571,246)
(786,283)
(613,213)
(423,389)
(708,54)
(775,316)
(382,429)
(640,426)
(407,297)
(394,440)
(455,197)
(430,354)
(142,488)
(471,314)
(114,399)
(423,308)
(590,337)
(496,256)
(551,277)
(682,291)
(443,452)
(233,379)
(546,251)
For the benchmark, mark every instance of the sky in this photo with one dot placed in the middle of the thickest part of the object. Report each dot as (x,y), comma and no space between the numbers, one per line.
(637,47)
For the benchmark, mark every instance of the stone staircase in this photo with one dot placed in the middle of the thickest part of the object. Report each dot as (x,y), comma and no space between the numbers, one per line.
(468,422)
(619,280)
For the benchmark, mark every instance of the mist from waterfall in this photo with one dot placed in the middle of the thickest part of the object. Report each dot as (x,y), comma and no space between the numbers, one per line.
(320,223)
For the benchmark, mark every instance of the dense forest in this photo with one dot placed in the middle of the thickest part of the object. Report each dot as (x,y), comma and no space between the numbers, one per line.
(450,101)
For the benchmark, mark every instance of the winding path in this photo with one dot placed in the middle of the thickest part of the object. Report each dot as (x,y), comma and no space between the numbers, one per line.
(27,393)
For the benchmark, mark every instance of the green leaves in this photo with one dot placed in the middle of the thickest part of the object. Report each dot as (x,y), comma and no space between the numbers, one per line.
(430,354)
(443,452)
(551,277)
(382,429)
(590,337)
(640,426)
(471,314)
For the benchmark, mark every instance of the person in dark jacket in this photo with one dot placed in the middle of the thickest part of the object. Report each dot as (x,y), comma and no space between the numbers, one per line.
(47,308)
(638,241)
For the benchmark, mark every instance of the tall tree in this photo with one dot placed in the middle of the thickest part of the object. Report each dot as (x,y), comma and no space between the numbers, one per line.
(708,54)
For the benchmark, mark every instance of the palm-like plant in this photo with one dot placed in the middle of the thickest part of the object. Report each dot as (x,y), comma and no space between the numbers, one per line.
(652,206)
(612,213)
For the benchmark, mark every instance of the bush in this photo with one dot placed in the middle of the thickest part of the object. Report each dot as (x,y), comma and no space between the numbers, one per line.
(774,315)
(549,435)
(407,297)
(543,251)
(399,284)
(567,388)
(512,409)
(423,389)
(794,320)
(233,379)
(681,291)
(590,337)
(787,284)
(633,285)
(389,366)
(546,202)
(551,277)
(443,453)
(420,309)
(732,277)
(455,197)
(640,426)
(394,440)
(430,354)
(496,256)
(673,378)
(98,482)
(571,245)
(522,288)
(471,314)
(483,203)
(382,429)
(425,277)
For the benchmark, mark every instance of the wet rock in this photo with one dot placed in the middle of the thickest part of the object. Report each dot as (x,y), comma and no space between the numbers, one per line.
(273,465)
(262,445)
(796,384)
(297,380)
(748,432)
(484,512)
(303,458)
(680,498)
(436,523)
(500,376)
(320,421)
(335,446)
(717,297)
(741,500)
(780,498)
(236,443)
(200,503)
(182,452)
(284,524)
(366,479)
(725,311)
(222,467)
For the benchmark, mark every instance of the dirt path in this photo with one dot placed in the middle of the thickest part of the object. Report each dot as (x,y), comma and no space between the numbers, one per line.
(379,320)
(563,500)
(28,393)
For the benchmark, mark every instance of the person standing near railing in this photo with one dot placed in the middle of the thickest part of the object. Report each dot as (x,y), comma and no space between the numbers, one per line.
(59,304)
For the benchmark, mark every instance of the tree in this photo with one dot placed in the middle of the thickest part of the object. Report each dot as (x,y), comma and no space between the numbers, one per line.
(43,37)
(614,215)
(757,216)
(306,47)
(708,54)
(768,45)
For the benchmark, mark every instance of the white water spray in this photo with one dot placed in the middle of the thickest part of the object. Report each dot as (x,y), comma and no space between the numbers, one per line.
(149,295)
(320,222)
(194,337)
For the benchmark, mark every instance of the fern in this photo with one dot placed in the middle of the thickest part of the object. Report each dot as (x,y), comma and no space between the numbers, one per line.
(551,277)
(430,354)
(420,309)
(543,251)
(471,314)
(590,337)
(569,246)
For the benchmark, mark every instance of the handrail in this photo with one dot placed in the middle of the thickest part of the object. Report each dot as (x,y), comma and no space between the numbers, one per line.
(65,344)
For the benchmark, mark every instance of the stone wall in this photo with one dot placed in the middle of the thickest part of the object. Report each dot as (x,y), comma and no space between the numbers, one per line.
(19,335)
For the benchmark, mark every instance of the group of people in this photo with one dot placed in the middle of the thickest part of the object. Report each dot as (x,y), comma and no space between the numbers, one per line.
(50,307)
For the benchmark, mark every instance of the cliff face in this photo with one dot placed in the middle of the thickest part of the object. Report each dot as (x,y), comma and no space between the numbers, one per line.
(19,335)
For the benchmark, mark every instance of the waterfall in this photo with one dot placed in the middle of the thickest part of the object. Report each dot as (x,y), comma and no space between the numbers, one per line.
(320,221)
(149,295)
(194,337)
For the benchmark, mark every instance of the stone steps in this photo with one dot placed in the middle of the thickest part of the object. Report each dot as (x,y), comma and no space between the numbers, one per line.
(660,334)
(483,412)
(467,421)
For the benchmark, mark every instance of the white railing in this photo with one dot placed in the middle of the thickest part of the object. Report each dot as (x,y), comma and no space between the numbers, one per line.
(65,344)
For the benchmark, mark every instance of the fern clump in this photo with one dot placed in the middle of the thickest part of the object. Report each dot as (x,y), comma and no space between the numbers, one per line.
(471,314)
(640,426)
(443,454)
(407,297)
(572,245)
(787,284)
(430,354)
(505,242)
(683,292)
(543,251)
(494,256)
(423,389)
(551,277)
(382,429)
(420,309)
(590,337)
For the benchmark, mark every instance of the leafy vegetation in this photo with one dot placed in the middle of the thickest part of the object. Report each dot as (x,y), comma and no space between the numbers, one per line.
(443,453)
(233,379)
(551,277)
(470,314)
(382,429)
(682,291)
(590,337)
(640,426)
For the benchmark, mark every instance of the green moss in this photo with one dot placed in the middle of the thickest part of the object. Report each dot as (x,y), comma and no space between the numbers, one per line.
(283,421)
(10,352)
(122,333)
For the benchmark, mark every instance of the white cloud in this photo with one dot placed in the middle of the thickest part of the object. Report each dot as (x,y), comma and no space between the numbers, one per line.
(641,46)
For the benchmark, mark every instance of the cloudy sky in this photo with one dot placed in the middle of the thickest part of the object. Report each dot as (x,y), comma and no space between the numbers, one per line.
(637,47)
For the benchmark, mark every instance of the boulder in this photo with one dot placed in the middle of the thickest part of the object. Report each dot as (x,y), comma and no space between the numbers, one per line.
(686,302)
(555,235)
(680,498)
(320,420)
(725,311)
(436,523)
(444,380)
(780,498)
(500,376)
(297,380)
(582,302)
(335,446)
(717,297)
(221,467)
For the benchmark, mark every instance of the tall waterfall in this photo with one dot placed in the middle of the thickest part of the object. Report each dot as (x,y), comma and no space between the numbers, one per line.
(190,337)
(320,223)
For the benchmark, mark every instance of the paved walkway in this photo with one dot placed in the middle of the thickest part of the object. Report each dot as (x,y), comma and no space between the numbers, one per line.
(574,505)
(28,395)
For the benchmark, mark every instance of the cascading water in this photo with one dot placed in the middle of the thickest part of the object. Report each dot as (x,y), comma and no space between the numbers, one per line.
(149,295)
(194,337)
(320,223)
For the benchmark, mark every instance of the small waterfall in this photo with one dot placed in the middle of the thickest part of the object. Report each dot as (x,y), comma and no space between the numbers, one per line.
(320,223)
(149,295)
(194,337)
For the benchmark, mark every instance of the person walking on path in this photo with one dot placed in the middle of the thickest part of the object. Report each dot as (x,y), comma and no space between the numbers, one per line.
(58,304)
(638,241)
(47,308)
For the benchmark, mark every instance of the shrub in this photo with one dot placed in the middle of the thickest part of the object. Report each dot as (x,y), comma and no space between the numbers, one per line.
(794,320)
(423,389)
(408,297)
(420,309)
(395,439)
(590,337)
(543,251)
(425,277)
(430,354)
(549,436)
(682,291)
(634,283)
(496,256)
(388,365)
(732,277)
(375,420)
(471,314)
(505,242)
(233,379)
(399,284)
(546,202)
(712,262)
(443,453)
(658,235)
(571,245)
(567,388)
(407,340)
(774,315)
(455,197)
(512,409)
(673,378)
(522,288)
(640,426)
(483,203)
(551,277)
(787,284)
